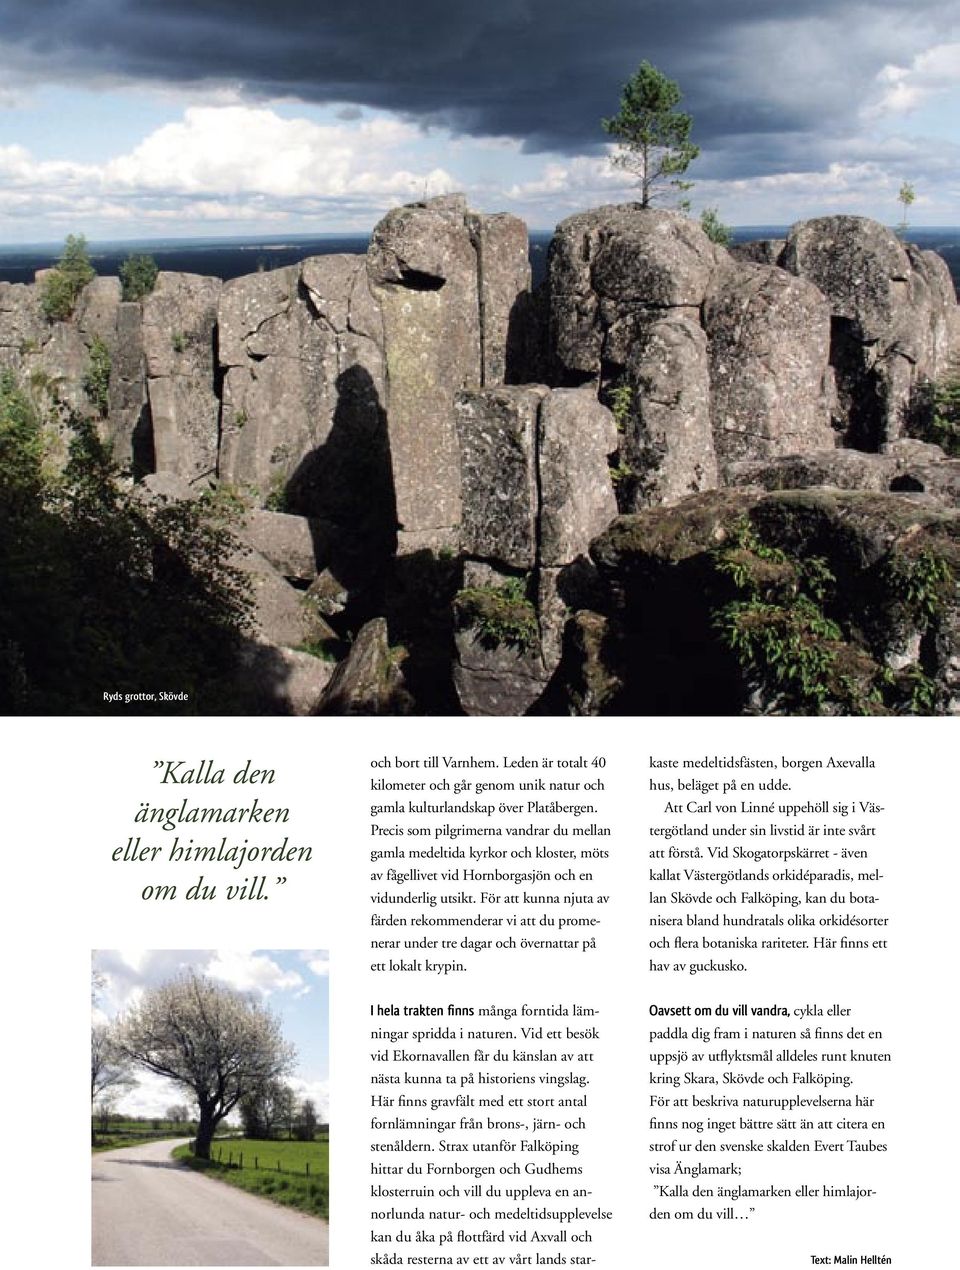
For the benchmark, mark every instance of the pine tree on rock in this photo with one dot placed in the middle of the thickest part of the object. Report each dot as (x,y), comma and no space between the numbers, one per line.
(653,136)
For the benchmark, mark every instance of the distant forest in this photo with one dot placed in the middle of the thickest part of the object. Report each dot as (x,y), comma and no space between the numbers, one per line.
(233,257)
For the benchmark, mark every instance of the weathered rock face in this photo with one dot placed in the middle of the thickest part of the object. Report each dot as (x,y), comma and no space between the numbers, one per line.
(669,434)
(179,320)
(288,340)
(769,337)
(22,325)
(128,424)
(611,271)
(536,489)
(295,545)
(54,357)
(385,413)
(626,286)
(723,360)
(577,436)
(892,317)
(445,327)
(762,251)
(503,271)
(497,430)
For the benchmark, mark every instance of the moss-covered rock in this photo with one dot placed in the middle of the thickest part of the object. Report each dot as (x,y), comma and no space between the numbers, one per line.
(799,601)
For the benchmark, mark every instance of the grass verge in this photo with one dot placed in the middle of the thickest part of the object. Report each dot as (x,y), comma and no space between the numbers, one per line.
(288,1184)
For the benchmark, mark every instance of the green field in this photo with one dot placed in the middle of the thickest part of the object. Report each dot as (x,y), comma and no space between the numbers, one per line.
(124,1132)
(292,1173)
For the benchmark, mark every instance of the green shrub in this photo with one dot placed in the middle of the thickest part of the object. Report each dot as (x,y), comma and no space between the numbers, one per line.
(138,276)
(62,286)
(57,297)
(945,424)
(277,499)
(714,228)
(499,614)
(621,403)
(96,381)
(788,627)
(102,589)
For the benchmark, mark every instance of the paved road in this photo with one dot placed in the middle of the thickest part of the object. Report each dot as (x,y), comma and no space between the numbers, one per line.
(150,1211)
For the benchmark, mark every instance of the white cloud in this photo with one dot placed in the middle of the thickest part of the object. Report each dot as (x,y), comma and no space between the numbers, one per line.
(902,89)
(318,1091)
(318,961)
(223,161)
(252,972)
(578,180)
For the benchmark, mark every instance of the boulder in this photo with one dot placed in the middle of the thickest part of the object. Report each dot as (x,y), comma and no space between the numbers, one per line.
(369,680)
(499,667)
(281,614)
(294,545)
(587,681)
(939,481)
(281,680)
(502,681)
(769,339)
(893,315)
(842,469)
(614,270)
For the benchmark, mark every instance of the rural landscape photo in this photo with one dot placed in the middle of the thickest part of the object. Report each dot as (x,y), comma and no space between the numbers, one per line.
(209,1108)
(556,363)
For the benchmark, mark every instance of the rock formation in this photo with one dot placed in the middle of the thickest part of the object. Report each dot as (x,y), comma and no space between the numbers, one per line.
(415,437)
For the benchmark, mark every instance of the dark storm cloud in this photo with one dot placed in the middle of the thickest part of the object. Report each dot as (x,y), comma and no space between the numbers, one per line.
(544,71)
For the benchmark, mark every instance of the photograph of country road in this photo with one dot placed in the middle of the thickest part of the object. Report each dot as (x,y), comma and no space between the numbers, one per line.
(209,1108)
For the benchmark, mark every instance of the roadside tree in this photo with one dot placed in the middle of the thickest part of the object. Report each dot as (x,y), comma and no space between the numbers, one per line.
(266,1109)
(212,1041)
(306,1127)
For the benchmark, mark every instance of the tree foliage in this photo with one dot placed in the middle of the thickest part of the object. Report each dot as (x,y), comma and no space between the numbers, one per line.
(307,1121)
(109,1070)
(96,380)
(138,276)
(654,137)
(210,1040)
(906,197)
(102,588)
(267,1108)
(714,228)
(62,286)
